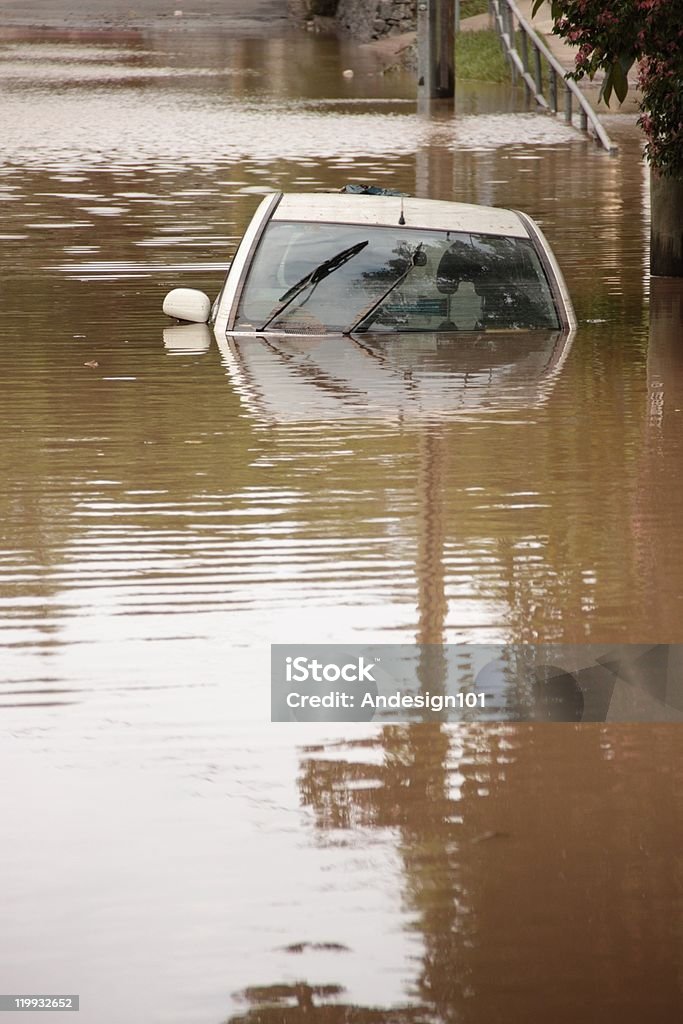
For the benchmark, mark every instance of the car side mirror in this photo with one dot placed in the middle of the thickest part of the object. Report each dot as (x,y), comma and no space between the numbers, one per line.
(188,304)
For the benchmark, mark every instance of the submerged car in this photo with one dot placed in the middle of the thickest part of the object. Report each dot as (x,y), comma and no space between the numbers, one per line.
(332,263)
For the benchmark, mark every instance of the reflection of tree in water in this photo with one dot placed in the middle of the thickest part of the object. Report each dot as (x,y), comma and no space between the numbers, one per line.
(291,1004)
(410,790)
(532,858)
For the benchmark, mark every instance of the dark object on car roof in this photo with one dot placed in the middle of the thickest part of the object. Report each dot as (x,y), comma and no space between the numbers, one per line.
(371,190)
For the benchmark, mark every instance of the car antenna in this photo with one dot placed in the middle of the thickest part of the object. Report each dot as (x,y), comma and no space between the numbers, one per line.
(401,219)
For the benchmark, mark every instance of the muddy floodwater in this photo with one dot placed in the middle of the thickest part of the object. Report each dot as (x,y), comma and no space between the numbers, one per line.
(168,853)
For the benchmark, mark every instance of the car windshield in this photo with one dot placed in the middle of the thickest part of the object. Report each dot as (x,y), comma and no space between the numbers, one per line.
(395,279)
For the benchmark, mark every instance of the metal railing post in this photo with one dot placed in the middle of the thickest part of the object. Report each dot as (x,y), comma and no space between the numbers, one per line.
(524,45)
(511,39)
(538,71)
(552,88)
(505,13)
(568,105)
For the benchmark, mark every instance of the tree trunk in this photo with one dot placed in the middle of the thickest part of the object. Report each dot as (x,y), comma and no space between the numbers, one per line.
(666,231)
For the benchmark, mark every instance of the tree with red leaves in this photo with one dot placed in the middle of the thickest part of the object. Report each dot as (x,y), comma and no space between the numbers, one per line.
(612,36)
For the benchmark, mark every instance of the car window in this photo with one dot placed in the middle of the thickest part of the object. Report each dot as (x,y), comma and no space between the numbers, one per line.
(312,277)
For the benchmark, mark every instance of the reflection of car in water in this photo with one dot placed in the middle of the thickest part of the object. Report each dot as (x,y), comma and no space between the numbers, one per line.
(402,377)
(351,264)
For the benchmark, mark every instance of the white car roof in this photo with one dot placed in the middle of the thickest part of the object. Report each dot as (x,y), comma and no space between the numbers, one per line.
(385,211)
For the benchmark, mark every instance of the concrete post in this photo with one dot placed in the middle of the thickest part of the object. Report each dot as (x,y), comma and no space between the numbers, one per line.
(666,226)
(436,49)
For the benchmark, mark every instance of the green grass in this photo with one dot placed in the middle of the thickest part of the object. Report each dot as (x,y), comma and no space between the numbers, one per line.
(468,8)
(478,56)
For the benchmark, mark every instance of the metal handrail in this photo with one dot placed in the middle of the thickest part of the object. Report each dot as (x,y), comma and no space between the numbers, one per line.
(504,13)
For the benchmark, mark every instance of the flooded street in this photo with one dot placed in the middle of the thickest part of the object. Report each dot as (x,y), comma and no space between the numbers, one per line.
(166,851)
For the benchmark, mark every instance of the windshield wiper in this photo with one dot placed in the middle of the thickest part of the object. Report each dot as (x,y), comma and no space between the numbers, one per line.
(417,259)
(317,275)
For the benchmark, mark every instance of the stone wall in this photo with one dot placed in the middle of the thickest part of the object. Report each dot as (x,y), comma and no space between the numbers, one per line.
(304,10)
(362,19)
(371,19)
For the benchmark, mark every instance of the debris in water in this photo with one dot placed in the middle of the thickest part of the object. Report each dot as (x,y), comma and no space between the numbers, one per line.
(486,836)
(330,947)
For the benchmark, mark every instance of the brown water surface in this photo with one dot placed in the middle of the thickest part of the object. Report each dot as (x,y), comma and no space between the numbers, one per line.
(167,852)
